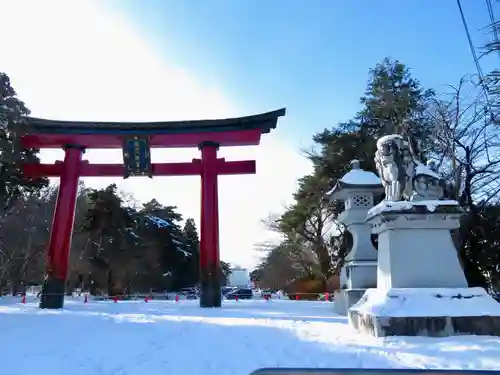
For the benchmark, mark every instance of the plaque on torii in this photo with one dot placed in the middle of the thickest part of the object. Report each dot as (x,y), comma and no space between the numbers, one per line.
(136,157)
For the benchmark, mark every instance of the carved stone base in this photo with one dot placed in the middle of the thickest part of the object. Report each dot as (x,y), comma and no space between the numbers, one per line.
(361,274)
(415,248)
(345,298)
(358,276)
(430,312)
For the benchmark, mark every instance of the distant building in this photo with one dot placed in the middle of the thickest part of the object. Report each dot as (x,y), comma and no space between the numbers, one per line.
(239,277)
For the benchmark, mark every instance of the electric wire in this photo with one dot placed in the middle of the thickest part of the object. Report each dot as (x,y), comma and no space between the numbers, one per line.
(475,58)
(494,29)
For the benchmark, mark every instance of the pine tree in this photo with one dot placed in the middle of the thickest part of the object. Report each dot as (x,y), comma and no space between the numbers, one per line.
(393,102)
(225,271)
(12,126)
(192,241)
(162,239)
(107,223)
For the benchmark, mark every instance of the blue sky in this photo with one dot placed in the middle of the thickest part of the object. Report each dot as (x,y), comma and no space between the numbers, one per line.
(311,56)
(133,60)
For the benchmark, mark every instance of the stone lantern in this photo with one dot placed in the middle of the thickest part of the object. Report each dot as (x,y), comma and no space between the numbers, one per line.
(357,189)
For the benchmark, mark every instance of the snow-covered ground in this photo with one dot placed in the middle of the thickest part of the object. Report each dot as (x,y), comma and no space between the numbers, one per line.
(168,337)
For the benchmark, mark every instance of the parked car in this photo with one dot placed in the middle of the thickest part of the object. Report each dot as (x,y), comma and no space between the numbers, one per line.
(190,293)
(240,293)
(227,289)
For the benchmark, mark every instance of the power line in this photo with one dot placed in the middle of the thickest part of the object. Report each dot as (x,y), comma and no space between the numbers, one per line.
(493,22)
(474,56)
(469,39)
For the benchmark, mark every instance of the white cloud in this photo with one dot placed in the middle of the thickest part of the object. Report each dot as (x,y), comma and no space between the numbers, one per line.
(76,60)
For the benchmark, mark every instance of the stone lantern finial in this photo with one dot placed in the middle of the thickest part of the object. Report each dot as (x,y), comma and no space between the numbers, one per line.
(355,164)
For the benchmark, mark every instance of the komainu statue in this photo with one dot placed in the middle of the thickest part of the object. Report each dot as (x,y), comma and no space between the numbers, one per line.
(396,166)
(426,183)
(403,177)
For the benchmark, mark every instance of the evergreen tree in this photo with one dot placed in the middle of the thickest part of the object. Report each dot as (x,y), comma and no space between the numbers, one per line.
(192,241)
(107,223)
(12,126)
(394,102)
(225,271)
(161,234)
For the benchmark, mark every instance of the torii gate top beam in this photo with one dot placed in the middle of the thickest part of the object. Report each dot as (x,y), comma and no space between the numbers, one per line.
(239,131)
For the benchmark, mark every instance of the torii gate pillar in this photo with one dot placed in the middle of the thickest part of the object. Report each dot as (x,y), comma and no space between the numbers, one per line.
(210,270)
(54,285)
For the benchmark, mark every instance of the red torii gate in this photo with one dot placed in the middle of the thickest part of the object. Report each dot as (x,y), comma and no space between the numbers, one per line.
(136,139)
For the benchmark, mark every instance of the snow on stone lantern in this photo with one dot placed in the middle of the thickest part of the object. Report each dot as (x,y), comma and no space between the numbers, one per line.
(357,189)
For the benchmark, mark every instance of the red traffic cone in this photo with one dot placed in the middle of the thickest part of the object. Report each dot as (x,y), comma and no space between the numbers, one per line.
(146,299)
(327,297)
(266,297)
(176,298)
(115,299)
(297,297)
(23,298)
(236,298)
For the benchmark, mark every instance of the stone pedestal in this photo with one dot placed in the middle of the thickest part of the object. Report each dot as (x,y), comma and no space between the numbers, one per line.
(433,312)
(360,276)
(421,289)
(415,248)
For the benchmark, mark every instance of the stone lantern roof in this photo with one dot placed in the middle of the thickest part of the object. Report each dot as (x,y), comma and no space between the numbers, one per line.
(358,180)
